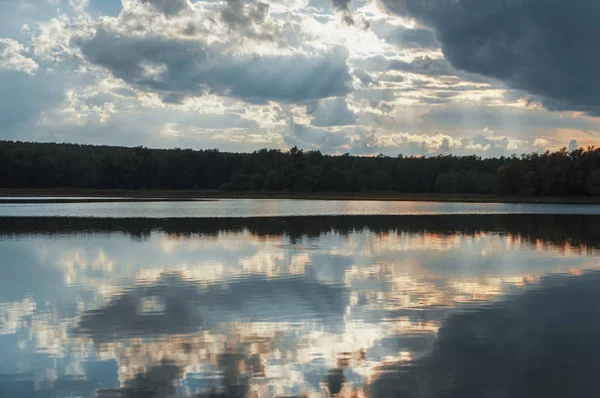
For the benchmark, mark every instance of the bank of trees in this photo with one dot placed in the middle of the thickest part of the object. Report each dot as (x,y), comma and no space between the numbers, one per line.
(48,165)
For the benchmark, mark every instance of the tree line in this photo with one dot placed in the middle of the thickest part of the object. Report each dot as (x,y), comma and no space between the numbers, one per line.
(51,165)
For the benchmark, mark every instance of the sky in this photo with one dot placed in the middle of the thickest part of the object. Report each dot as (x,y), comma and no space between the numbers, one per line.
(365,77)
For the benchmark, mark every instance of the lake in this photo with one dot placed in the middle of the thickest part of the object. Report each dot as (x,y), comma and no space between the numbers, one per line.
(271,208)
(428,305)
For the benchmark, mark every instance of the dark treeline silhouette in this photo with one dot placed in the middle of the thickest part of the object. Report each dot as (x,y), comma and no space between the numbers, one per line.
(555,230)
(49,165)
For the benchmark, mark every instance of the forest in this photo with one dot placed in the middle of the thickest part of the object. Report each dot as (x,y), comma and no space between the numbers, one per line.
(72,166)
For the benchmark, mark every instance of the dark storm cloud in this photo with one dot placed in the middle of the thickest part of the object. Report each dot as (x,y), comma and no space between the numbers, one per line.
(541,343)
(549,48)
(168,7)
(181,68)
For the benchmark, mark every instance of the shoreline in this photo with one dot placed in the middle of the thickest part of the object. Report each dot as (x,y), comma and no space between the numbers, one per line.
(111,195)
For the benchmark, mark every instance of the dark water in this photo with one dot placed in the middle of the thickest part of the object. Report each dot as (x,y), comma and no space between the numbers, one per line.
(396,306)
(274,208)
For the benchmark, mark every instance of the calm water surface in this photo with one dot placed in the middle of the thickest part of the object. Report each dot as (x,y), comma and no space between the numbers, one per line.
(423,306)
(279,207)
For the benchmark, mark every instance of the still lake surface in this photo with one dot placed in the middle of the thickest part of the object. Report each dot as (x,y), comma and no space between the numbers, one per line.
(276,208)
(462,305)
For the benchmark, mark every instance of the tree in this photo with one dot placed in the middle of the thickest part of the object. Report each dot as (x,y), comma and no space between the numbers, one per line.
(381,181)
(594,182)
(50,165)
(257,182)
(273,181)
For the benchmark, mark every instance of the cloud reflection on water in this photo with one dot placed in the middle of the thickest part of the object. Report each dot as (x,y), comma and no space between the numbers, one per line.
(185,307)
(288,300)
(540,343)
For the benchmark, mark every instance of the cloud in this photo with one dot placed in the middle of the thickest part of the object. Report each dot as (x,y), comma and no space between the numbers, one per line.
(332,112)
(343,6)
(413,38)
(419,65)
(403,37)
(548,48)
(375,141)
(391,78)
(518,120)
(428,66)
(433,100)
(538,343)
(363,76)
(168,7)
(315,138)
(413,144)
(12,59)
(244,17)
(87,118)
(573,145)
(541,142)
(182,68)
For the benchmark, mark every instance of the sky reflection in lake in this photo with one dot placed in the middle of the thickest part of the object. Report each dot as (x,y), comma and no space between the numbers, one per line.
(316,306)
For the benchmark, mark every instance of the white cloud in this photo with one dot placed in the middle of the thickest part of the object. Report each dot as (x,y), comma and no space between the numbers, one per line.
(514,144)
(479,147)
(12,58)
(541,143)
(375,141)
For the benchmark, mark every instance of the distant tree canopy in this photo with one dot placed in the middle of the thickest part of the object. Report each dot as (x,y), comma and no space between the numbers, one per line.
(49,165)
